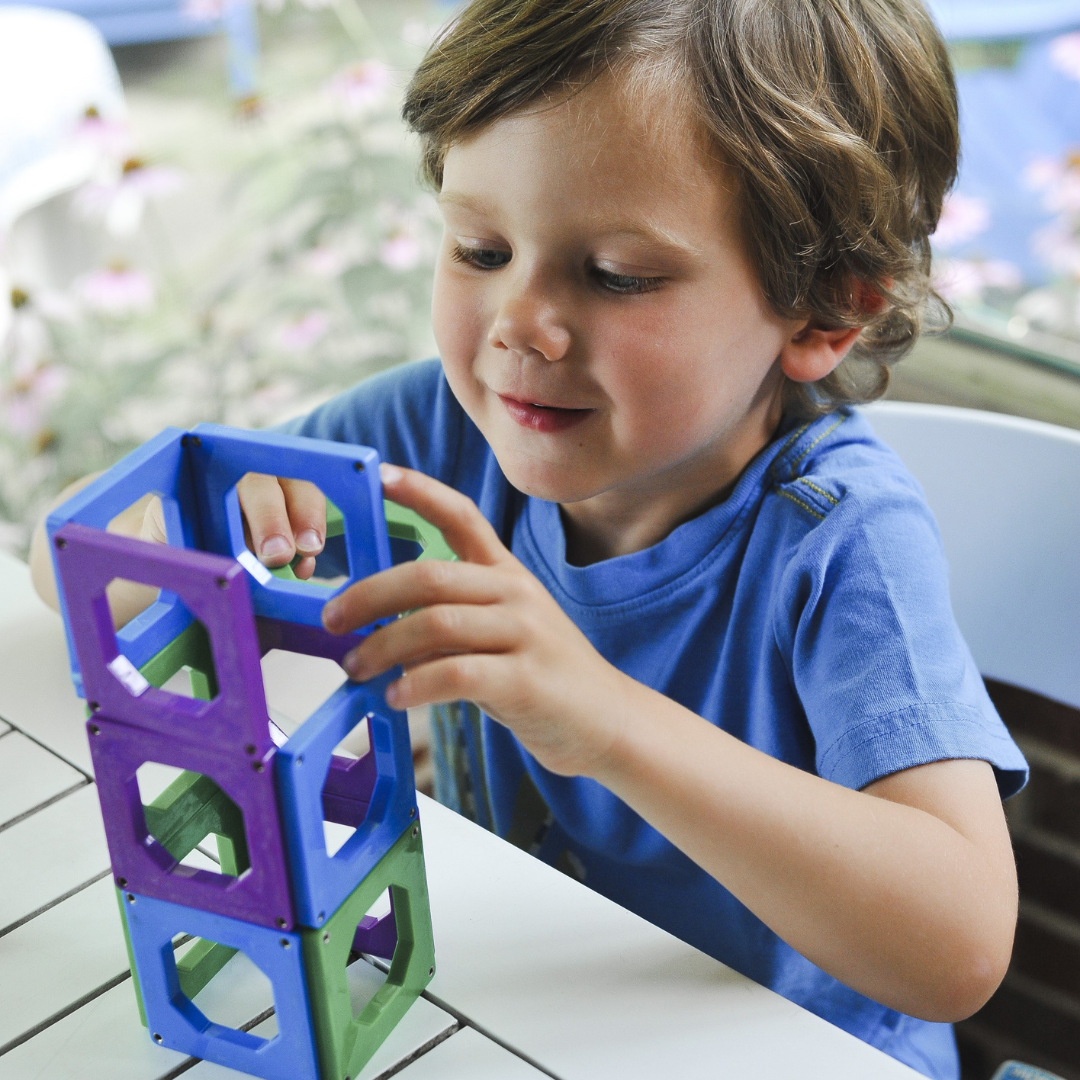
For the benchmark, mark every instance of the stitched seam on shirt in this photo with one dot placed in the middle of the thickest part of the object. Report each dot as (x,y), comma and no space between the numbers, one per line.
(919,718)
(828,431)
(795,436)
(798,502)
(813,487)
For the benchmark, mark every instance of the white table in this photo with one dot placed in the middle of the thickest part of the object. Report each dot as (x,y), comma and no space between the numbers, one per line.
(537,975)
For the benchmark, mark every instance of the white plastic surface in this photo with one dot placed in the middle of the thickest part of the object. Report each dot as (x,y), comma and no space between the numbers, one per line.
(1006,494)
(35,681)
(58,958)
(50,853)
(53,67)
(101,1041)
(30,776)
(467,1055)
(591,991)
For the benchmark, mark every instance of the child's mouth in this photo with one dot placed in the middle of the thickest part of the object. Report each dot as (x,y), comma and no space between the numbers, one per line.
(544,418)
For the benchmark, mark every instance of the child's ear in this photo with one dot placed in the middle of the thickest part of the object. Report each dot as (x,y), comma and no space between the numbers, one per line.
(813,352)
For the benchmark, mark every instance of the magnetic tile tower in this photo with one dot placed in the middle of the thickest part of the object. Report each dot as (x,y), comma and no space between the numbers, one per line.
(295,910)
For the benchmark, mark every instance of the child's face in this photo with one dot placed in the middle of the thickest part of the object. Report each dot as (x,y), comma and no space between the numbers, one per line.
(594,306)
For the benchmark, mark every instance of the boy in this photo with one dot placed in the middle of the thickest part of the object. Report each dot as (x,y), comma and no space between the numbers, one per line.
(701,612)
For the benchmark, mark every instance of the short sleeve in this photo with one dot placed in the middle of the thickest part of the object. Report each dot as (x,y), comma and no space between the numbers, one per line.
(877,660)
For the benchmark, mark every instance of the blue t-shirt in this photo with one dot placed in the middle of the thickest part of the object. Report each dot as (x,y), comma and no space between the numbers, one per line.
(807,614)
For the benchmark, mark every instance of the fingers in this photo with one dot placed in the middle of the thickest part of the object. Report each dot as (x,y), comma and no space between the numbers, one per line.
(153,523)
(464,528)
(262,501)
(306,507)
(410,585)
(450,678)
(442,630)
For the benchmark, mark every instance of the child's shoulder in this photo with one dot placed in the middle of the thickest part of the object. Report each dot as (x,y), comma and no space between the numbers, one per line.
(837,469)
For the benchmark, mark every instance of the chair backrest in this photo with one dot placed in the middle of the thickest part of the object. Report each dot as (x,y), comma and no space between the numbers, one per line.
(1006,494)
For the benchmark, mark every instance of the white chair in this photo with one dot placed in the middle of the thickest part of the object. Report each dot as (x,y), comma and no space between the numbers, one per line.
(53,67)
(1006,494)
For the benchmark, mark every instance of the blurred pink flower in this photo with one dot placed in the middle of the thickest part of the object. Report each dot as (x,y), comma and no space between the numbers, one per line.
(322,261)
(303,332)
(24,403)
(120,202)
(116,290)
(963,217)
(361,85)
(1059,179)
(110,138)
(401,252)
(965,280)
(1065,54)
(1059,247)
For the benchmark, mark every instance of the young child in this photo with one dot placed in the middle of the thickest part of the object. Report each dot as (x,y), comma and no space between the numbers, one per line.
(701,610)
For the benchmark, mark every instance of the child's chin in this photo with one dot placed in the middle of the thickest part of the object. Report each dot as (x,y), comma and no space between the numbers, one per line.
(547,481)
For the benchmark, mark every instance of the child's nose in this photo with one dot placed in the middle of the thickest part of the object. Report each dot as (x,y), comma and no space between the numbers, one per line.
(527,323)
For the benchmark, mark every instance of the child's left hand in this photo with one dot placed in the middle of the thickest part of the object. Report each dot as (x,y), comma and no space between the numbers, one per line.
(486,631)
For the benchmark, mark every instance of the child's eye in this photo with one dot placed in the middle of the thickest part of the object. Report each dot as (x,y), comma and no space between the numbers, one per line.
(480,258)
(625,283)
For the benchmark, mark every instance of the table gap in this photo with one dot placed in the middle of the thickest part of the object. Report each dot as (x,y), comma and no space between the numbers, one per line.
(67,1010)
(45,746)
(52,903)
(45,803)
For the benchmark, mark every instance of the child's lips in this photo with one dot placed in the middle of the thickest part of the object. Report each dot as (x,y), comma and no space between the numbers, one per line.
(543,418)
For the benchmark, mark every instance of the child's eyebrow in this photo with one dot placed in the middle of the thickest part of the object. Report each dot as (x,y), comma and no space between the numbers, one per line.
(651,236)
(466,202)
(654,237)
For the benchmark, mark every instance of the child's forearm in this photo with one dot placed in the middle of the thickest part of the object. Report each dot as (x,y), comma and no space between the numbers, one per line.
(905,892)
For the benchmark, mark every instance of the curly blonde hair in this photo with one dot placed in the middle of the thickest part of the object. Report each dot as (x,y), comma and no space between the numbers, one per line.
(837,117)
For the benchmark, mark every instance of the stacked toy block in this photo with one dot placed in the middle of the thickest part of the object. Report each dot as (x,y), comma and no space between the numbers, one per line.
(298,913)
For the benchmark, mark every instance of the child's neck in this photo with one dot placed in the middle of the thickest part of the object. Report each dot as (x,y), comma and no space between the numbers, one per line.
(636,516)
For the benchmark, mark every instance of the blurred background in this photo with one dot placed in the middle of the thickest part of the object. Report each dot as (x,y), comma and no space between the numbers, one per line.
(209,211)
(224,225)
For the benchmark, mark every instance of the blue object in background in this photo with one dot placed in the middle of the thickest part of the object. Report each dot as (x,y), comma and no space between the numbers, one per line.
(1011,115)
(960,19)
(126,22)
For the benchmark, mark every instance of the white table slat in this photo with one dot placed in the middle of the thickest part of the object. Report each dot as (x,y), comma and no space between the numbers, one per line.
(51,852)
(587,989)
(30,775)
(59,957)
(5,727)
(422,1025)
(36,694)
(468,1055)
(101,1041)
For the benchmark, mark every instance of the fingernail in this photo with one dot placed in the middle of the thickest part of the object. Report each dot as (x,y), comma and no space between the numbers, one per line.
(393,694)
(309,540)
(273,546)
(330,613)
(390,474)
(353,665)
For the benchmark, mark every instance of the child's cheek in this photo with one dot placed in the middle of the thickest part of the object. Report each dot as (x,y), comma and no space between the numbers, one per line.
(456,321)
